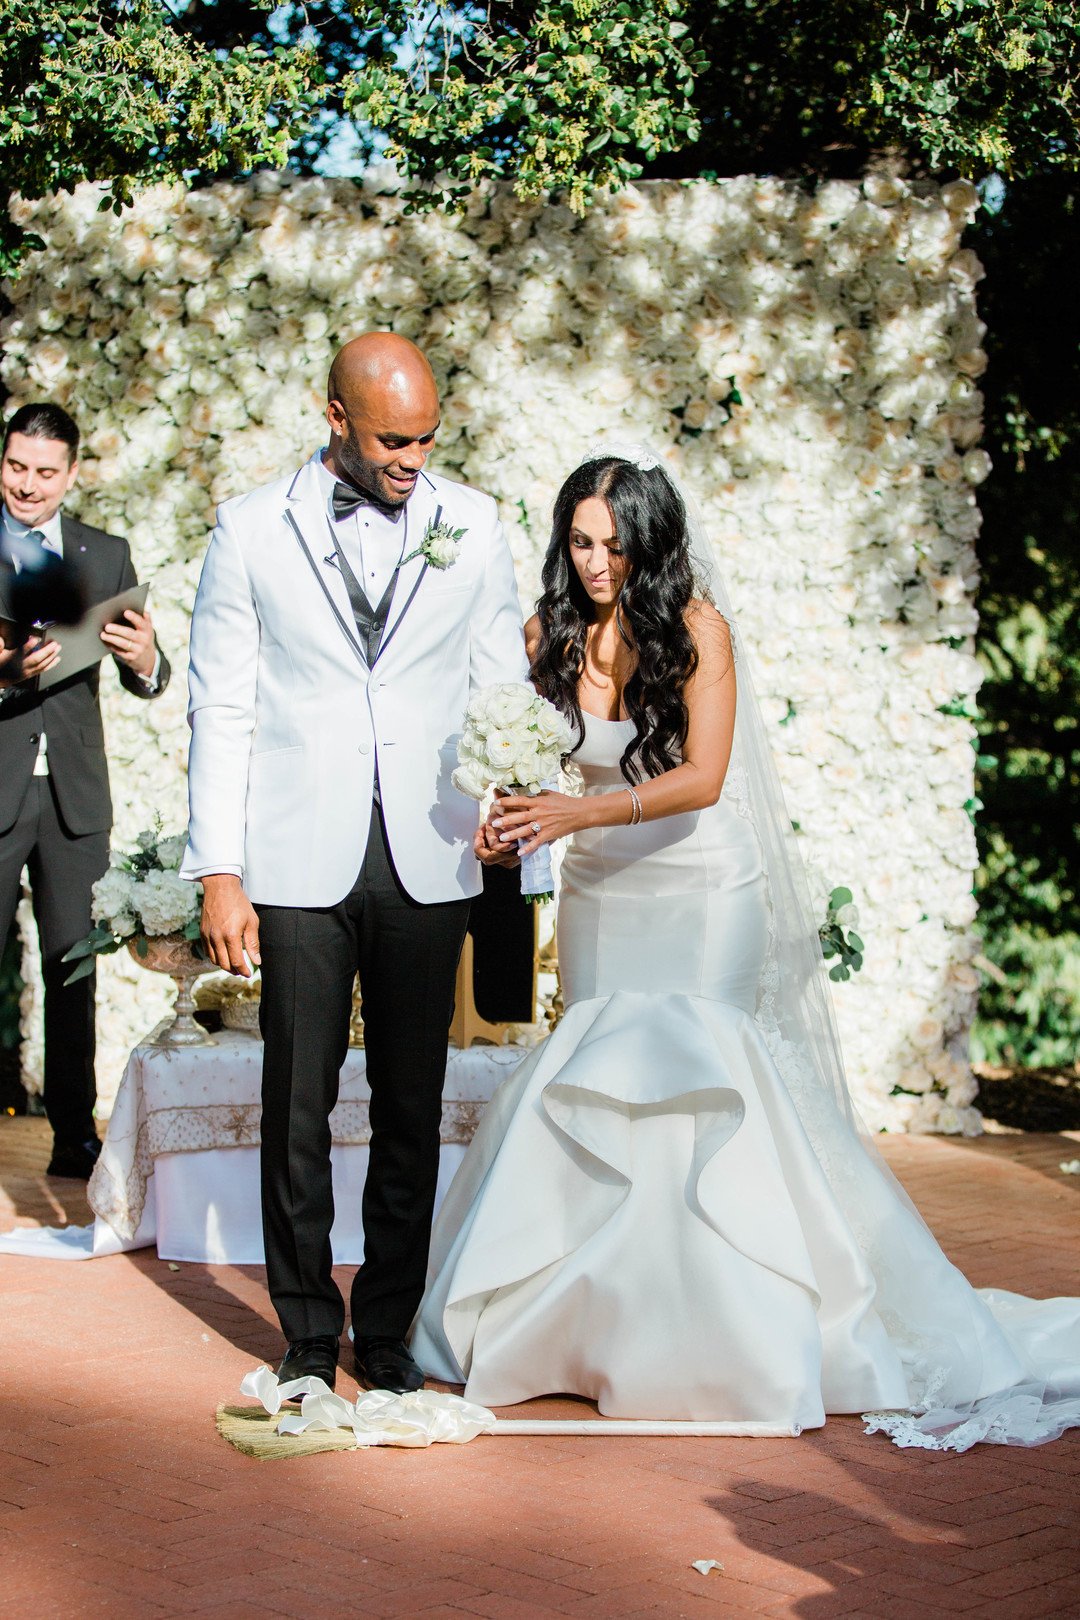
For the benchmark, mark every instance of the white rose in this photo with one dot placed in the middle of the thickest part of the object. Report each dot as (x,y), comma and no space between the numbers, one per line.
(971,362)
(171,851)
(960,197)
(551,729)
(501,749)
(529,769)
(927,1034)
(971,1122)
(194,263)
(976,466)
(442,549)
(471,779)
(883,189)
(924,1119)
(963,1092)
(965,269)
(916,1080)
(507,704)
(903,1110)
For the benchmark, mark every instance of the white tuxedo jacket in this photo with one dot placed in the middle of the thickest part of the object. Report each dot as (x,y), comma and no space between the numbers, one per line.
(287,720)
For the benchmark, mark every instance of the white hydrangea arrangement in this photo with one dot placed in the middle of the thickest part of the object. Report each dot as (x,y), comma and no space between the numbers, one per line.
(141,895)
(806,360)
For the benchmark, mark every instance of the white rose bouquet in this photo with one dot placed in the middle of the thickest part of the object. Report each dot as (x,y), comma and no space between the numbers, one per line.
(141,895)
(514,739)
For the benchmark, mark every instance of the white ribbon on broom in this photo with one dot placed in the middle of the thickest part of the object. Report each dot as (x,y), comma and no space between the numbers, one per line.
(378,1417)
(514,739)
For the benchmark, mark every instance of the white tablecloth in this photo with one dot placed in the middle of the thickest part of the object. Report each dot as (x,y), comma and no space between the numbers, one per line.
(180,1162)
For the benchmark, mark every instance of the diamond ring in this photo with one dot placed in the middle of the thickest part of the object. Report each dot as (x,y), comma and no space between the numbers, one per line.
(536,826)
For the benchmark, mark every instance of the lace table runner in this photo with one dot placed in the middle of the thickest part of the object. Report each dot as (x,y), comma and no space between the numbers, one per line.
(188,1099)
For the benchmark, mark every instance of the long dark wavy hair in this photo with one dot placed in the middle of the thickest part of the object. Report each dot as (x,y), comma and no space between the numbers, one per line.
(650,524)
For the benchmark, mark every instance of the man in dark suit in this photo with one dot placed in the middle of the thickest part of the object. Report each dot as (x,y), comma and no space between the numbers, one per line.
(55,808)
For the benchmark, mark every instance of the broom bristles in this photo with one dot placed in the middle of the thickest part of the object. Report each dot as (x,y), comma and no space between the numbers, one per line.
(255,1433)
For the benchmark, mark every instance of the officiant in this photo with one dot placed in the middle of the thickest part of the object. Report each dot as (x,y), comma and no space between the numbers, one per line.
(55,807)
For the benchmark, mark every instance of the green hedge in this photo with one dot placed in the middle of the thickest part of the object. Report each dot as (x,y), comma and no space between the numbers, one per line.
(1029,768)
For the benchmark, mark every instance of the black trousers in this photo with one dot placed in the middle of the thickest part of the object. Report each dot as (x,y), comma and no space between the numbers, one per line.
(406,955)
(63,869)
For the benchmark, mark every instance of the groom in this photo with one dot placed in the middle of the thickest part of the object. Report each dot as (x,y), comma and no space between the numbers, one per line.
(337,634)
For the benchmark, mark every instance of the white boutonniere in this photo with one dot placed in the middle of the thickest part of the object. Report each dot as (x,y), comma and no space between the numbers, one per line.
(440,546)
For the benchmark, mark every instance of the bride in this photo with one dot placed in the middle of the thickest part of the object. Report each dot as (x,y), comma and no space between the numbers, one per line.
(669,1206)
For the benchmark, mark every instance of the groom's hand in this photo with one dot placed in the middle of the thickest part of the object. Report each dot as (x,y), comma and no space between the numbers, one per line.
(488,848)
(229,924)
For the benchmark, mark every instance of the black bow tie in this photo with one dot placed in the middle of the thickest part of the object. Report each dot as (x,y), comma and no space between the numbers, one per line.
(348,499)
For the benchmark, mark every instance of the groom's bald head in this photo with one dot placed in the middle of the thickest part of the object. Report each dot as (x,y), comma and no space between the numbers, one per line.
(382,368)
(383,410)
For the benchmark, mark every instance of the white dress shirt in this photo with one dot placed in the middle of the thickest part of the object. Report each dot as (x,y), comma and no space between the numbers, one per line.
(52,538)
(373,543)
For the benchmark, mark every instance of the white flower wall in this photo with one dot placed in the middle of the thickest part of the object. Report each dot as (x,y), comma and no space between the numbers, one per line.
(805,360)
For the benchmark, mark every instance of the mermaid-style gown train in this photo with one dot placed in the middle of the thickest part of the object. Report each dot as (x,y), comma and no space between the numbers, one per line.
(648,1218)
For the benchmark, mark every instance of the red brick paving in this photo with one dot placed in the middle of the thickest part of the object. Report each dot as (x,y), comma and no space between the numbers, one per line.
(118,1499)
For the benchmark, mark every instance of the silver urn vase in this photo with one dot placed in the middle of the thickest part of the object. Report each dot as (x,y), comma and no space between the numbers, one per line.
(176,956)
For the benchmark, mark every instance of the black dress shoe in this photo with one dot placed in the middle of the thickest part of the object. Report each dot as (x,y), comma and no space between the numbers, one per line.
(387,1364)
(310,1358)
(74,1159)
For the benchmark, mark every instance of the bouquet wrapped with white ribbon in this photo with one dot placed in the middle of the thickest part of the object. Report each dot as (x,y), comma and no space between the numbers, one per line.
(514,739)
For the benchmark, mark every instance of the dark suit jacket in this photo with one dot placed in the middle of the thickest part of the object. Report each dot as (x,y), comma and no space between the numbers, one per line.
(69,712)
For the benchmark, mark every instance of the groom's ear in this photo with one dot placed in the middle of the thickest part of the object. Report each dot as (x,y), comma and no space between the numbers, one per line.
(335,416)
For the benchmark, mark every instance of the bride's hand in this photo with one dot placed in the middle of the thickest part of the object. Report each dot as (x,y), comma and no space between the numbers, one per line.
(556,815)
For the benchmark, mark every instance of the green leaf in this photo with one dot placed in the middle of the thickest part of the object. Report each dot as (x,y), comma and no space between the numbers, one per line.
(83,971)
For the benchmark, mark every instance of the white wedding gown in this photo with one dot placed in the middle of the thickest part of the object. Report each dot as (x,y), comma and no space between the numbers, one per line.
(649,1218)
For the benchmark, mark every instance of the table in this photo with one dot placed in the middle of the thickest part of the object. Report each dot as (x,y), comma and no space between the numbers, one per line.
(180,1162)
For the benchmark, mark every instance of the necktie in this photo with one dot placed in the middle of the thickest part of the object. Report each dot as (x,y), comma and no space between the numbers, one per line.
(348,499)
(45,587)
(28,549)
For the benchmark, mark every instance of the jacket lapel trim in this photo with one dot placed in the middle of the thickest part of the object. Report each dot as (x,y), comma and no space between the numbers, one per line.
(305,493)
(419,517)
(335,610)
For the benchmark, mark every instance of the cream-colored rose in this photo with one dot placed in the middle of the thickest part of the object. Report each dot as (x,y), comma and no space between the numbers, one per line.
(471,779)
(960,197)
(976,466)
(506,705)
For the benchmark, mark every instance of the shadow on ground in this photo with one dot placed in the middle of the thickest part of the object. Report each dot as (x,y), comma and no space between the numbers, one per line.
(1030,1099)
(27,1194)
